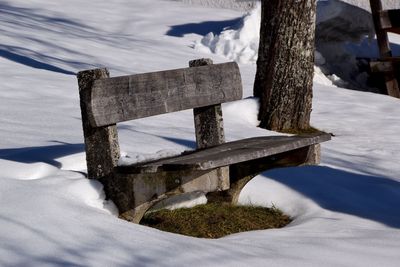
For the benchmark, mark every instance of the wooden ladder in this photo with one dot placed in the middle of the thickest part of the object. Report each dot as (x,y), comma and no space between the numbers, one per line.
(386,21)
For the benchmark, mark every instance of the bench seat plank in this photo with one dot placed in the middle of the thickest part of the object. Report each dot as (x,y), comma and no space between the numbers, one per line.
(228,153)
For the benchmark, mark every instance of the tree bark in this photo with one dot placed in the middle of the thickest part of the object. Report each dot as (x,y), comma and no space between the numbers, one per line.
(285,65)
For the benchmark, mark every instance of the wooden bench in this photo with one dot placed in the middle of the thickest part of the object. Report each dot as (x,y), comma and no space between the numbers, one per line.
(215,166)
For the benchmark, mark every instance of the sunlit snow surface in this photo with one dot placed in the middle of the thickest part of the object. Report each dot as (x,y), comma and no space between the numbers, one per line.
(346,211)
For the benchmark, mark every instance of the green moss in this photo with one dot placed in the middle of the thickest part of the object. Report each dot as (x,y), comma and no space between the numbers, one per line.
(215,220)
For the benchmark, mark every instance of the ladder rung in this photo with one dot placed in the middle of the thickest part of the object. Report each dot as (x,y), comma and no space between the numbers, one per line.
(381,66)
(389,20)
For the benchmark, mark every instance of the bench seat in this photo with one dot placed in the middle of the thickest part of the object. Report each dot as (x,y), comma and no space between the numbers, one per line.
(228,153)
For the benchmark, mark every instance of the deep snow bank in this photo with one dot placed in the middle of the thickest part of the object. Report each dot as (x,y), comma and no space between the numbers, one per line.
(339,25)
(239,44)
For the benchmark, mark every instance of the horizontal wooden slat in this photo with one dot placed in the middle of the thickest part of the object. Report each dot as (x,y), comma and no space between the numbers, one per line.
(229,153)
(391,59)
(385,64)
(390,20)
(381,66)
(125,98)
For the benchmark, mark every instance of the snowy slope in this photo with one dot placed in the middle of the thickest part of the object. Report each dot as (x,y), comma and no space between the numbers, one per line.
(345,210)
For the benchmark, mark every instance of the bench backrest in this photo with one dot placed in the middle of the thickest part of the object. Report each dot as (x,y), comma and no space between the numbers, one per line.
(106,101)
(113,100)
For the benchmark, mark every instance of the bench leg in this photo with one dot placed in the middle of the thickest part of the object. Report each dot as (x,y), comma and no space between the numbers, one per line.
(134,194)
(232,194)
(101,143)
(242,173)
(136,214)
(209,128)
(314,155)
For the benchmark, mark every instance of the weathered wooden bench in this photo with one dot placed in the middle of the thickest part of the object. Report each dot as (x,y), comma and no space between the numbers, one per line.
(215,166)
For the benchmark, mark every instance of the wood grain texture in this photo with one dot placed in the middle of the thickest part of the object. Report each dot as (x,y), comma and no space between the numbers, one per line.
(381,35)
(131,97)
(285,64)
(208,122)
(101,143)
(209,129)
(230,153)
(381,66)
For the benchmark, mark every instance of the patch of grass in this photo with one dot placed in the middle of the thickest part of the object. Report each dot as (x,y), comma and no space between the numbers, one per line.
(215,220)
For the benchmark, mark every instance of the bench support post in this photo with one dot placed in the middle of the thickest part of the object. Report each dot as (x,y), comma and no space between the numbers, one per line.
(135,193)
(209,128)
(242,173)
(101,143)
(314,155)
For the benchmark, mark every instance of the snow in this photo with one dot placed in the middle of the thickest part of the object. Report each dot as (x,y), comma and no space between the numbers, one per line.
(345,210)
(240,43)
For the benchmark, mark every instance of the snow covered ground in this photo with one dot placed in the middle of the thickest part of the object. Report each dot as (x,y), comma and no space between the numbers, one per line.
(346,211)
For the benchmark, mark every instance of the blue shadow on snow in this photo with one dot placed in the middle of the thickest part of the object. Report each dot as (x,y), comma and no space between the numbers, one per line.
(370,197)
(202,28)
(46,154)
(32,62)
(30,27)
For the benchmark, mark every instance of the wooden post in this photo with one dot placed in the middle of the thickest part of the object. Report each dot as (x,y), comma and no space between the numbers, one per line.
(209,127)
(314,155)
(385,51)
(101,143)
(381,35)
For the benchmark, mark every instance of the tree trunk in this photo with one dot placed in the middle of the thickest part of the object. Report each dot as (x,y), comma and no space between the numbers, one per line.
(285,64)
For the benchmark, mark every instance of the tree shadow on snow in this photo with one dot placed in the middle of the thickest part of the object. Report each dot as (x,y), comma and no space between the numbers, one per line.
(36,28)
(46,154)
(190,144)
(7,52)
(370,197)
(203,28)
